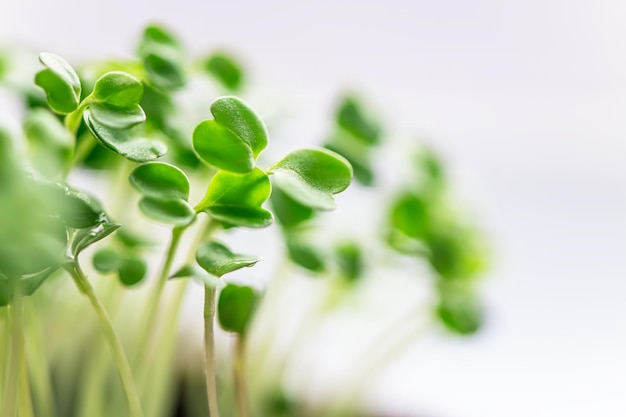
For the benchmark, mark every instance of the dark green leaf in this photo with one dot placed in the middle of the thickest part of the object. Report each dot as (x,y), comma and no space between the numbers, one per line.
(235,307)
(6,291)
(174,211)
(106,260)
(132,270)
(239,118)
(237,198)
(87,237)
(312,176)
(288,211)
(123,142)
(306,256)
(118,89)
(160,181)
(60,82)
(163,58)
(225,70)
(217,259)
(218,146)
(199,275)
(350,117)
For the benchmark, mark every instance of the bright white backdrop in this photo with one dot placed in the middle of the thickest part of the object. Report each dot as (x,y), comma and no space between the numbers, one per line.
(527,99)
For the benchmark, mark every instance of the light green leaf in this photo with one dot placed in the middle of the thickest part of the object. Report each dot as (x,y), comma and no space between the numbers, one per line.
(174,211)
(160,181)
(87,237)
(123,142)
(312,176)
(118,89)
(199,275)
(235,307)
(217,259)
(117,117)
(237,198)
(60,82)
(163,58)
(220,147)
(351,117)
(106,260)
(50,145)
(239,118)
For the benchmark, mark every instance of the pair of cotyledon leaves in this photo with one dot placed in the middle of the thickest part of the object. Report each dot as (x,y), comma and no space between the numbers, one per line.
(232,142)
(110,112)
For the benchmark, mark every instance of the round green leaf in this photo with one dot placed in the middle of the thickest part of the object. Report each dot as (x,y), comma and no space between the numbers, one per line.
(163,58)
(235,307)
(106,260)
(237,198)
(239,118)
(160,181)
(459,310)
(306,256)
(217,259)
(117,117)
(220,147)
(225,70)
(132,270)
(289,212)
(350,261)
(77,209)
(164,72)
(409,215)
(60,82)
(312,176)
(123,142)
(50,145)
(118,89)
(174,211)
(350,117)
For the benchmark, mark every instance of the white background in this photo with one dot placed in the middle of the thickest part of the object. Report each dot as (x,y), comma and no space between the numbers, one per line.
(527,100)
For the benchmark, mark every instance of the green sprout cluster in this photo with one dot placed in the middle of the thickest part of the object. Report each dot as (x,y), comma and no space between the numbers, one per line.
(120,118)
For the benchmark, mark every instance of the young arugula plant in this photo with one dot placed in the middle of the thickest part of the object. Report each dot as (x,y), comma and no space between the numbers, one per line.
(204,178)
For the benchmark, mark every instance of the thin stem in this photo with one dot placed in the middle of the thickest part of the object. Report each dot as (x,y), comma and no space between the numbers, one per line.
(209,350)
(38,366)
(72,120)
(10,393)
(115,345)
(25,399)
(149,318)
(240,385)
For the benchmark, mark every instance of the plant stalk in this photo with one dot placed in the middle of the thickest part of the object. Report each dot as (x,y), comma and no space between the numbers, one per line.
(209,350)
(121,361)
(240,385)
(9,406)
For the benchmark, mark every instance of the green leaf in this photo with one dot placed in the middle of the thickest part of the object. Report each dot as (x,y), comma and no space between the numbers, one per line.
(60,82)
(220,147)
(132,270)
(350,117)
(312,176)
(117,117)
(50,145)
(118,89)
(305,255)
(29,284)
(199,275)
(163,58)
(6,291)
(350,261)
(87,237)
(225,70)
(288,211)
(239,118)
(235,307)
(410,215)
(174,211)
(237,198)
(459,309)
(106,260)
(217,259)
(123,142)
(78,209)
(160,181)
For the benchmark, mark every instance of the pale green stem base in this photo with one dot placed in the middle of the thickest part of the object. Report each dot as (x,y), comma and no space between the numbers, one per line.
(209,351)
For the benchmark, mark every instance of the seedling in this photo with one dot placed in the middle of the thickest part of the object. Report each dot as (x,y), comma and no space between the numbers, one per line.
(120,120)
